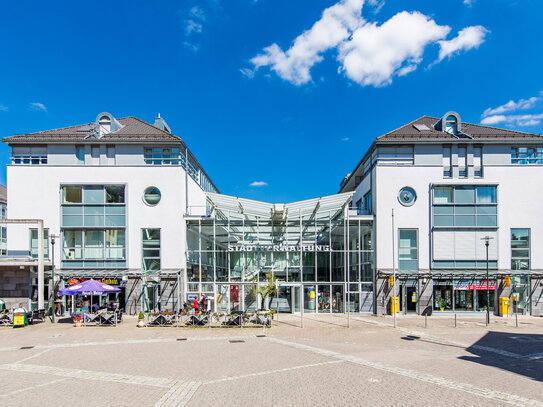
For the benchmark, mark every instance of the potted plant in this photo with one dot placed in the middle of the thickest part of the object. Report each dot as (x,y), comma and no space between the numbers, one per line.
(141,317)
(441,304)
(78,320)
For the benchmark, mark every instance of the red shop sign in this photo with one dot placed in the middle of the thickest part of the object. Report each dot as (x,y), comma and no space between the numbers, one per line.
(482,287)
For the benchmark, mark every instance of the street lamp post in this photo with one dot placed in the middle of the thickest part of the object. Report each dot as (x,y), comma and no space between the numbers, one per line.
(52,301)
(487,243)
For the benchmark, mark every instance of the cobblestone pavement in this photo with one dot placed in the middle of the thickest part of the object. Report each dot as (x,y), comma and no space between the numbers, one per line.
(333,359)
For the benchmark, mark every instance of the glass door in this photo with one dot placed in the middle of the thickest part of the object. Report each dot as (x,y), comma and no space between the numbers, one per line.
(310,298)
(323,298)
(337,299)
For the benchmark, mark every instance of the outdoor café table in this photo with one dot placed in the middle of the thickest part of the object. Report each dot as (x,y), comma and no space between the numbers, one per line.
(161,319)
(5,318)
(107,318)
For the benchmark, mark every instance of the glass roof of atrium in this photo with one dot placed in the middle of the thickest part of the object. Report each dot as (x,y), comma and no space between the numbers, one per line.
(324,207)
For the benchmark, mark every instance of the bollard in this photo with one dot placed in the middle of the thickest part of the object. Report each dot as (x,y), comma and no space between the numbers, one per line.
(455,319)
(516,319)
(426,320)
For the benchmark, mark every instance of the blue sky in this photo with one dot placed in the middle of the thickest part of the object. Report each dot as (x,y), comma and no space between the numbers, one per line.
(286,93)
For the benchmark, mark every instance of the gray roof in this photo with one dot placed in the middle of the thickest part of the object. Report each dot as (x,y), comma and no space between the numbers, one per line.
(133,130)
(409,132)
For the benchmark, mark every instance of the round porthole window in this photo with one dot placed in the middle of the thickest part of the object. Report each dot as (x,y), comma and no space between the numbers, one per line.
(407,196)
(151,196)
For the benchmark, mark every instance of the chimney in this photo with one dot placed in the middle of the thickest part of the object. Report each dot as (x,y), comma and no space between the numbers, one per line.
(161,124)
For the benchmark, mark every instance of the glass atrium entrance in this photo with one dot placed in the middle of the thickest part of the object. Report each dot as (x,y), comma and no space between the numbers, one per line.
(250,255)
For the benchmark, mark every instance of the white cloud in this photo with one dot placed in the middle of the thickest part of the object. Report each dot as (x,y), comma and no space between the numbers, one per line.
(468,38)
(192,26)
(518,120)
(345,139)
(368,53)
(3,108)
(376,4)
(258,184)
(191,46)
(512,106)
(38,106)
(249,73)
(335,25)
(376,54)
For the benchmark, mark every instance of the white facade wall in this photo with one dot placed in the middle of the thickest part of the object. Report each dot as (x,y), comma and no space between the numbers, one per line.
(519,190)
(34,192)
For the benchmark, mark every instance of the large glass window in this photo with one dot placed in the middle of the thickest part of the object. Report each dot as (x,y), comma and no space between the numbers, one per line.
(526,155)
(408,250)
(93,248)
(151,249)
(34,243)
(465,206)
(93,206)
(163,156)
(520,249)
(315,250)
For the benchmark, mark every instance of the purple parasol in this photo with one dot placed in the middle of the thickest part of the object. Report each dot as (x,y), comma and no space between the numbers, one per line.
(89,287)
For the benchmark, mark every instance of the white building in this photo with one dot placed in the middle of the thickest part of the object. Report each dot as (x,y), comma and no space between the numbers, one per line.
(131,205)
(115,193)
(436,188)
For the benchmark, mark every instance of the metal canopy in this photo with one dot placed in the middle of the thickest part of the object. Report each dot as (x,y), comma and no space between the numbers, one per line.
(225,204)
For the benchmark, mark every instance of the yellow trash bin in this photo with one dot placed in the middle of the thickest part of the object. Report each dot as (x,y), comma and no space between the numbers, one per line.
(504,306)
(394,305)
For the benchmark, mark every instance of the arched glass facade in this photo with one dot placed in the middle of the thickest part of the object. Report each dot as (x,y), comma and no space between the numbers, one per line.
(315,254)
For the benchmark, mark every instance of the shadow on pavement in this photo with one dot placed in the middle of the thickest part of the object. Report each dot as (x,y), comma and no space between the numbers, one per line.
(521,344)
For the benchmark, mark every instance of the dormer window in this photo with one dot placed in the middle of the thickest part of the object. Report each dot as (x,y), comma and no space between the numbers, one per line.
(451,125)
(105,124)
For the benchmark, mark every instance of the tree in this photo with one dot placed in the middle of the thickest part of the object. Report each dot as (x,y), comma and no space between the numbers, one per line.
(267,291)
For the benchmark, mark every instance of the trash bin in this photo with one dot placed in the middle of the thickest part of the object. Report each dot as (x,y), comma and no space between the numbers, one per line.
(19,319)
(394,305)
(504,306)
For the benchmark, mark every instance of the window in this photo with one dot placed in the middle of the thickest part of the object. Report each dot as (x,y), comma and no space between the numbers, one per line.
(93,247)
(95,152)
(152,196)
(526,155)
(397,155)
(31,155)
(34,243)
(163,156)
(368,202)
(93,221)
(447,162)
(465,206)
(451,125)
(3,241)
(150,249)
(80,154)
(110,153)
(408,250)
(462,161)
(105,124)
(520,249)
(478,161)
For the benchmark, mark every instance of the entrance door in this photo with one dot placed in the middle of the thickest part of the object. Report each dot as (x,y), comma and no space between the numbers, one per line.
(411,299)
(288,299)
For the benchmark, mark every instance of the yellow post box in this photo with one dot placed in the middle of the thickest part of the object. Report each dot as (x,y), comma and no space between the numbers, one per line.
(507,281)
(503,306)
(394,305)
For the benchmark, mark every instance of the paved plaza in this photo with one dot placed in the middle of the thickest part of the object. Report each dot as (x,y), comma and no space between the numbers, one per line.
(324,363)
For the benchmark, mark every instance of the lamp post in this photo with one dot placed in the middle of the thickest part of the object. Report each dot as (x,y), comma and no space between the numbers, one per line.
(487,243)
(52,301)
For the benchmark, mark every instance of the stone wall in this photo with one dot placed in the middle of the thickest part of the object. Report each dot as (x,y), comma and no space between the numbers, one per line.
(15,286)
